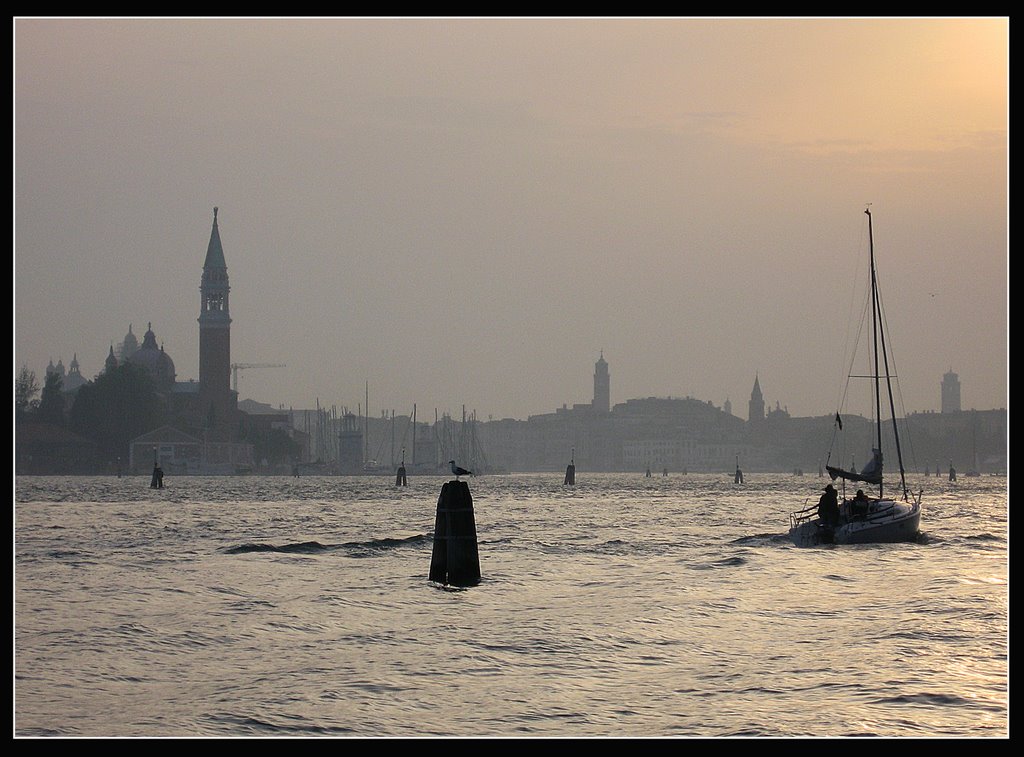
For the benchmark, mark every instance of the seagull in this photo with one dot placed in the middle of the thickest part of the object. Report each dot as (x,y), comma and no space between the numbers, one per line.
(457,471)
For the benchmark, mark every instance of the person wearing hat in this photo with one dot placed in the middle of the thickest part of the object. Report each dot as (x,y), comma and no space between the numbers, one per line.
(828,506)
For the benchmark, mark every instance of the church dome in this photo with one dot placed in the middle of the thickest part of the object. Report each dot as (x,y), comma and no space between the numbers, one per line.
(156,362)
(74,378)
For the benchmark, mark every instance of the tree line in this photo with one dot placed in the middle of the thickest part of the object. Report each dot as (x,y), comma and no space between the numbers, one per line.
(117,406)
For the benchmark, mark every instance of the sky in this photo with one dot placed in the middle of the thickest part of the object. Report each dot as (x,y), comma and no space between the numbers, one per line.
(468,212)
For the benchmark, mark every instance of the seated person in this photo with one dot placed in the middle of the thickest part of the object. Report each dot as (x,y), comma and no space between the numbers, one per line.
(859,504)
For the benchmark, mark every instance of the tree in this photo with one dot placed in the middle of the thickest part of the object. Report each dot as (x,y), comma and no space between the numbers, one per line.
(118,406)
(51,402)
(273,445)
(26,387)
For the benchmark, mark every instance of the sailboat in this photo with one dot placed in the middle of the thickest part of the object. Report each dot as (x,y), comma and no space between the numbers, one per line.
(866,519)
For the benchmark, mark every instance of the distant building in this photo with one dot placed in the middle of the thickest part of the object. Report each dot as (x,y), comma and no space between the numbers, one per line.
(45,449)
(755,408)
(350,449)
(58,369)
(128,347)
(74,379)
(218,403)
(110,364)
(950,392)
(154,361)
(602,386)
(206,423)
(71,379)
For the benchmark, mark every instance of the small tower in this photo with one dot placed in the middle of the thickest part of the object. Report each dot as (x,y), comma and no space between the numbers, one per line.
(130,345)
(950,392)
(756,405)
(111,362)
(602,386)
(74,378)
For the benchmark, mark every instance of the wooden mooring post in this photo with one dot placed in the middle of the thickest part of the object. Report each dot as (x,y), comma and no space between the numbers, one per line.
(570,471)
(400,477)
(455,560)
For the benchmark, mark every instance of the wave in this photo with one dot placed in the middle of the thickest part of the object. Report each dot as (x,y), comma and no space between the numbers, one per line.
(728,562)
(927,698)
(306,547)
(256,726)
(769,538)
(986,537)
(389,543)
(371,546)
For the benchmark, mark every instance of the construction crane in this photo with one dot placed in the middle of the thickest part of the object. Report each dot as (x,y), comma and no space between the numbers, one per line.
(236,367)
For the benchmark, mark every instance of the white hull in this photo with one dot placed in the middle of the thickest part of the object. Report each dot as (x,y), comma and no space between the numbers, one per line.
(887,521)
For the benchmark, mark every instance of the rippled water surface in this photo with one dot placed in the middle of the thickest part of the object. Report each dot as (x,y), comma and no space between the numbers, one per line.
(622,606)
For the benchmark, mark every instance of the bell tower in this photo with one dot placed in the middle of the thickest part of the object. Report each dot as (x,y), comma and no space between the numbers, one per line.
(216,403)
(602,386)
(755,408)
(950,392)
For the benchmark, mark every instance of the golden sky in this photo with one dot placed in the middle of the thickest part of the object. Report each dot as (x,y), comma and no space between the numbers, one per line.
(685,194)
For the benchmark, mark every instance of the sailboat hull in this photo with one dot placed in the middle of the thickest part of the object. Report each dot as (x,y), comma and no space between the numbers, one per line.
(887,522)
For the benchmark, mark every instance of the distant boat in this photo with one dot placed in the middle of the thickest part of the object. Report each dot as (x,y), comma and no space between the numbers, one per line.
(864,520)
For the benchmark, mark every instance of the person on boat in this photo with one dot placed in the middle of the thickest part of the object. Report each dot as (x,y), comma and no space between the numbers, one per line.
(828,506)
(859,506)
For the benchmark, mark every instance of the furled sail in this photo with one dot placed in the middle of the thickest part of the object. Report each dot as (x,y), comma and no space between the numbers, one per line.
(871,473)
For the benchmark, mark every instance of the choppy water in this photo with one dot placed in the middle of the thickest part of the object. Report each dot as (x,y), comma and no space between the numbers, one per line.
(623,606)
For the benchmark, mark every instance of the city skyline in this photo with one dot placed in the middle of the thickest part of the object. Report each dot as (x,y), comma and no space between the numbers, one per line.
(949,391)
(469,211)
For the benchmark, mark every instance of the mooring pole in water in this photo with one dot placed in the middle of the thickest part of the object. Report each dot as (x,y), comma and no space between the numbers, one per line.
(455,560)
(570,470)
(155,481)
(400,477)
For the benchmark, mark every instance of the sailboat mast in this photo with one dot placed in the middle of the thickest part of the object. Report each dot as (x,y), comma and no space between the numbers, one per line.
(874,334)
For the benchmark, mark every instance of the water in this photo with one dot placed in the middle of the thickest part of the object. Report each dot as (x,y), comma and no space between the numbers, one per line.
(623,606)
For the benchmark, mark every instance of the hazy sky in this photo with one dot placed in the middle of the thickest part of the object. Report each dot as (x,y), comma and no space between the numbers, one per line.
(468,211)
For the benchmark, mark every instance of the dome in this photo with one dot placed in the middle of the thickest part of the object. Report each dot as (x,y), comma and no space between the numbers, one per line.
(74,378)
(154,360)
(129,345)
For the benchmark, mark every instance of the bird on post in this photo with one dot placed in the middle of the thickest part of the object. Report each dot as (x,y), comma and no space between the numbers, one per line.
(457,471)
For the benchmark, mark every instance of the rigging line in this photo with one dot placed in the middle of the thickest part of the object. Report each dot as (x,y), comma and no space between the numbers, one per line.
(853,355)
(848,354)
(886,354)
